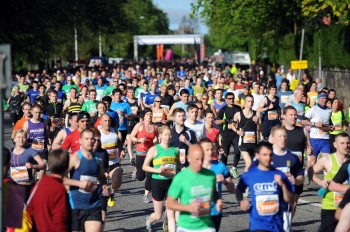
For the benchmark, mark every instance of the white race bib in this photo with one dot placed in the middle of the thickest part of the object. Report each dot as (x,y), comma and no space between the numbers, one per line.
(267,205)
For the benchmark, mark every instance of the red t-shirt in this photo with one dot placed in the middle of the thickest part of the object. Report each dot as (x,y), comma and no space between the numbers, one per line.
(239,86)
(49,206)
(213,135)
(97,123)
(72,141)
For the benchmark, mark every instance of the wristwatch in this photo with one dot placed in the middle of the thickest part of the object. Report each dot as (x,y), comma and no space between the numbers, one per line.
(313,124)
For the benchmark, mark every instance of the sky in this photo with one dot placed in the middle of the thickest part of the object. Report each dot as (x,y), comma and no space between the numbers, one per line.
(176,9)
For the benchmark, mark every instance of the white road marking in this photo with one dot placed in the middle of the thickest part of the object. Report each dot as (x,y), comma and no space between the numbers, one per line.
(310,203)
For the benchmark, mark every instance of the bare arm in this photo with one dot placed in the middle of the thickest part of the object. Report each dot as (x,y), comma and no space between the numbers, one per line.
(318,167)
(56,144)
(336,187)
(135,131)
(40,165)
(173,204)
(170,114)
(25,126)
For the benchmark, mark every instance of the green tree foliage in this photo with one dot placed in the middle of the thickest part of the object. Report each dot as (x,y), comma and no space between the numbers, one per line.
(239,24)
(336,10)
(44,29)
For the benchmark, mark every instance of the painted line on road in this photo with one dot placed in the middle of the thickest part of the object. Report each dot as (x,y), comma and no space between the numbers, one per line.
(310,203)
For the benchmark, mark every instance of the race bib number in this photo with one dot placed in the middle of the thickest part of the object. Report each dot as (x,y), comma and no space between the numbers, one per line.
(19,174)
(93,185)
(38,144)
(284,99)
(182,156)
(249,137)
(204,209)
(272,115)
(267,205)
(338,197)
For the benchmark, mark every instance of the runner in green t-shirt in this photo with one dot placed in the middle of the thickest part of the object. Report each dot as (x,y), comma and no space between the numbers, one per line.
(196,188)
(90,105)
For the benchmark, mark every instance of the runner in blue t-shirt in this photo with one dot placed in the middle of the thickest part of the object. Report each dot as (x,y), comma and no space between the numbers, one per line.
(124,111)
(150,96)
(270,190)
(33,93)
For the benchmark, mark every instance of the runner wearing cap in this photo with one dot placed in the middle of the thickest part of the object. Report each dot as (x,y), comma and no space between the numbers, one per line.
(71,142)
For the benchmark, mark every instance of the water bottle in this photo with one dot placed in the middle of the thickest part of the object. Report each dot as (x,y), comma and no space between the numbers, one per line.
(323,191)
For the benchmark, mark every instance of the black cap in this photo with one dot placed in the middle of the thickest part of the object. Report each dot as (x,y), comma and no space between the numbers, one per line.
(83,115)
(239,76)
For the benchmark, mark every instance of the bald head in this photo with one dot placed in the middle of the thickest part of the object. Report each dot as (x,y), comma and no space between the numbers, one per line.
(195,157)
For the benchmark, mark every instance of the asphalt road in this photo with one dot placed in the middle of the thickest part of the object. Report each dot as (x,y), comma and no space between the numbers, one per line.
(129,212)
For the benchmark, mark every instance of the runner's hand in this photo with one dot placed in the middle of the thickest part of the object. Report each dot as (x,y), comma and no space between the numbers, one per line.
(325,184)
(85,185)
(28,165)
(194,207)
(240,132)
(164,172)
(278,179)
(244,205)
(309,151)
(271,106)
(318,124)
(141,140)
(105,191)
(182,138)
(219,205)
(291,178)
(122,154)
(220,178)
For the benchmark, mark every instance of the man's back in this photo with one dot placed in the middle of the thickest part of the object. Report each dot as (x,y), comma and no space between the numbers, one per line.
(49,205)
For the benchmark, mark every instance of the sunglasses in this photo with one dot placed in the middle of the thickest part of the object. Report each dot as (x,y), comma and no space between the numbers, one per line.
(229,98)
(156,101)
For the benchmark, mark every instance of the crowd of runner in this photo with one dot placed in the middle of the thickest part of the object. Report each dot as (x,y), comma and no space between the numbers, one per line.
(176,123)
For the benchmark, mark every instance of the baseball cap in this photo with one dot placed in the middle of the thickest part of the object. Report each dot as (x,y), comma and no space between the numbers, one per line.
(83,115)
(239,76)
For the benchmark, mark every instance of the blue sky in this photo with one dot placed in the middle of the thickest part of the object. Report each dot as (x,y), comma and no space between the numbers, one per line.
(175,10)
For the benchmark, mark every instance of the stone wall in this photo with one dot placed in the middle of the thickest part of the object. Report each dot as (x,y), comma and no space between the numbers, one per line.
(339,80)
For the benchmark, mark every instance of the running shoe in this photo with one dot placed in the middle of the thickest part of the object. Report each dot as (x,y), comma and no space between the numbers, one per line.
(234,172)
(306,180)
(133,175)
(148,225)
(165,224)
(132,162)
(111,201)
(146,199)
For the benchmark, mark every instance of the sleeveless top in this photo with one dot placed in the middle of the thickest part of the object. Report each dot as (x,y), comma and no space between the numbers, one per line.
(249,127)
(337,121)
(74,107)
(272,115)
(36,135)
(158,117)
(166,158)
(218,106)
(87,170)
(332,199)
(142,148)
(109,142)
